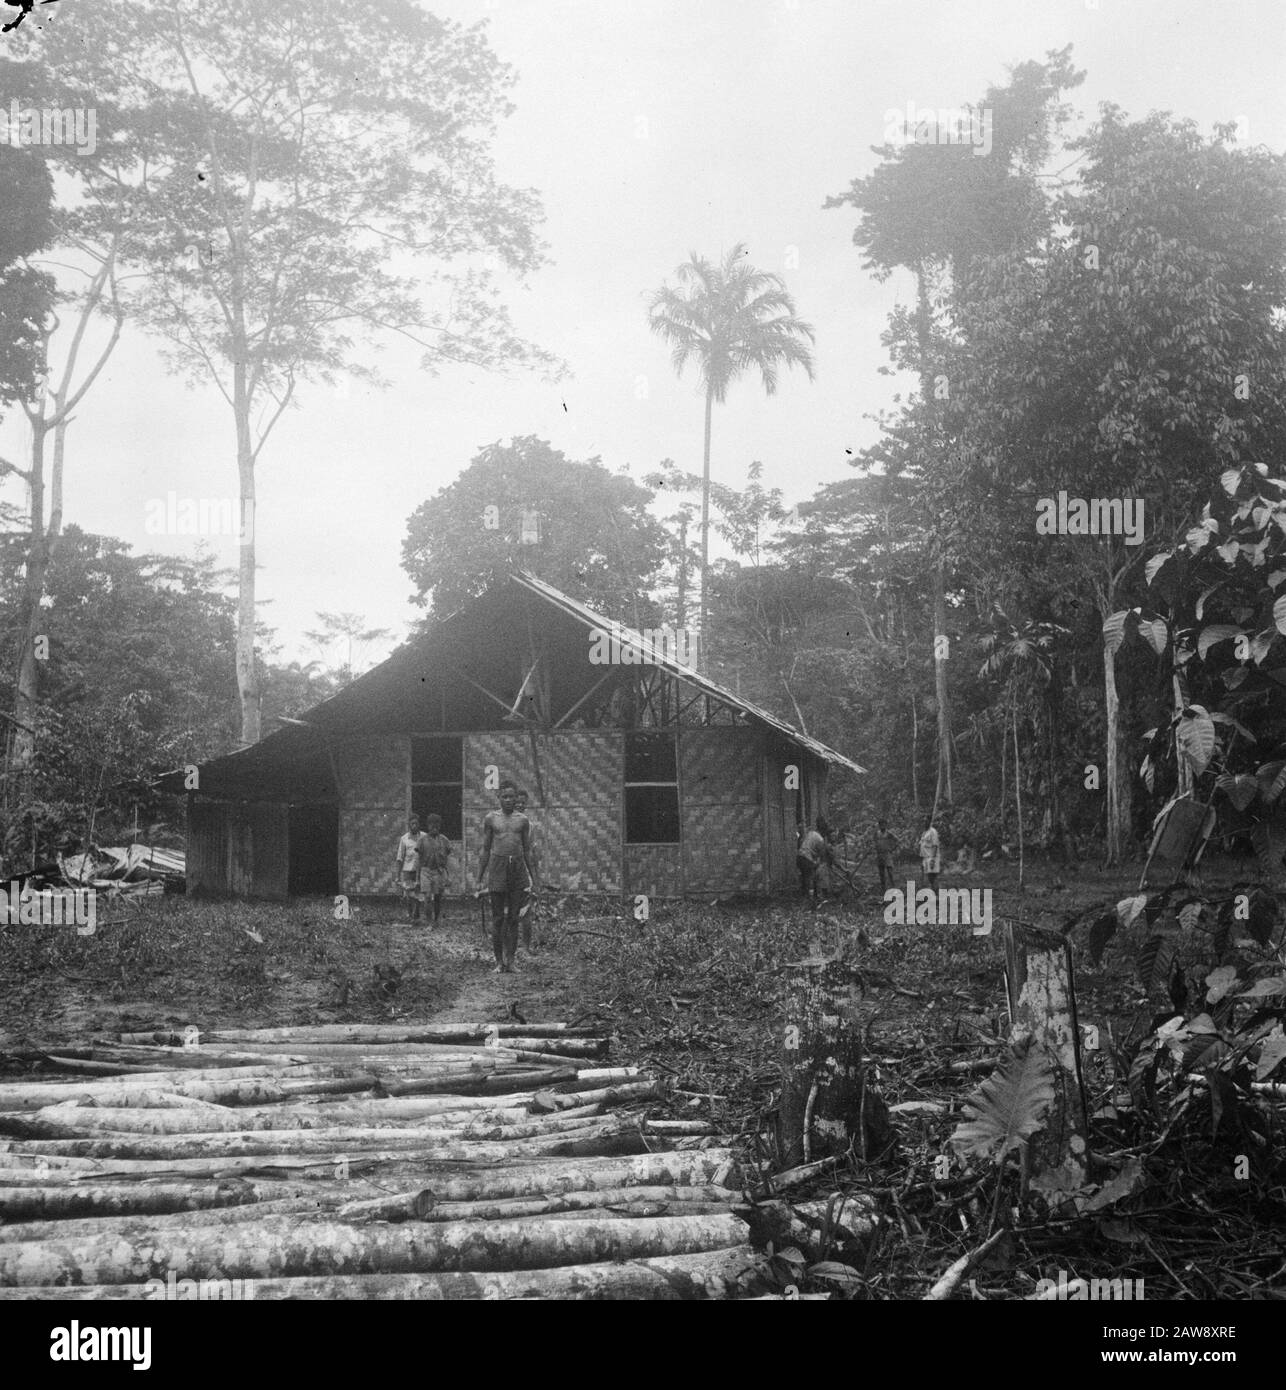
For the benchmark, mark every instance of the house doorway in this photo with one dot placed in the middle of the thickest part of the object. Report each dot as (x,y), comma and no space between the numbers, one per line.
(314,850)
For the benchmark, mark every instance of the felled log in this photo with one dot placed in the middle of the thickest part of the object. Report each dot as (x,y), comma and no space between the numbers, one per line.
(514,1208)
(286,1247)
(713,1168)
(114,1199)
(372,1033)
(716,1274)
(605,1095)
(496,1083)
(610,1138)
(679,1127)
(321,1202)
(341,1139)
(72,1121)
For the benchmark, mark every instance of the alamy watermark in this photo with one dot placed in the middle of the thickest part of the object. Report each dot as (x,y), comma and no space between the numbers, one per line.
(173,515)
(614,646)
(1072,1290)
(218,1287)
(1094,516)
(50,125)
(50,907)
(926,125)
(939,907)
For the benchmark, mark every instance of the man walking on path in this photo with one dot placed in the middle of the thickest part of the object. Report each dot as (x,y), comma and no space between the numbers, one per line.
(504,871)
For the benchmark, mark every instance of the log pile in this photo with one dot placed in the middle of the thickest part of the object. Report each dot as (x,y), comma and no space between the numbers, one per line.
(391,1162)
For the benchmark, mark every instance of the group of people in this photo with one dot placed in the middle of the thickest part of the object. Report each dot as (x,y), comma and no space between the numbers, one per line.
(815,858)
(508,871)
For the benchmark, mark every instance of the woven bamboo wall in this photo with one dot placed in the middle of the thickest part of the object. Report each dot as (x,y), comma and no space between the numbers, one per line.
(720,809)
(653,869)
(374,777)
(580,823)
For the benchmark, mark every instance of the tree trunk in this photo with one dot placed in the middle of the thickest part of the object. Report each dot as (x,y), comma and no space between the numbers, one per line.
(942,791)
(287,1247)
(247,618)
(27,687)
(737,1272)
(826,1105)
(703,663)
(1018,800)
(1042,1010)
(1119,775)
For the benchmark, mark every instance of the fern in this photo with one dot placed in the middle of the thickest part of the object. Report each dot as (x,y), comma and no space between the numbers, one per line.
(1009,1106)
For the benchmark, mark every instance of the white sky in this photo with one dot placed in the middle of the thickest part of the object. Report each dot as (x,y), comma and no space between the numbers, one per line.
(651,128)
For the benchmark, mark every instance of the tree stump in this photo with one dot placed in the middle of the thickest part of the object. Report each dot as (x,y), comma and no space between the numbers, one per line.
(1042,1008)
(826,1104)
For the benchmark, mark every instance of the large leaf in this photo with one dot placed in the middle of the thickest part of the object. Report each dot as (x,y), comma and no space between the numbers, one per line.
(1220,718)
(1220,982)
(1154,961)
(1265,988)
(1195,737)
(1216,632)
(1155,633)
(1114,630)
(1230,479)
(1272,780)
(1009,1106)
(1271,1055)
(1240,790)
(1279,614)
(1129,908)
(1155,564)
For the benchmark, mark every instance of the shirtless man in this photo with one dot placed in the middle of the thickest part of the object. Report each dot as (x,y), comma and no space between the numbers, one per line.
(504,871)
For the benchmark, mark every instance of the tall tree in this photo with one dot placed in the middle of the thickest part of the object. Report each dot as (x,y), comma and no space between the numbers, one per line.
(1140,350)
(728,318)
(27,296)
(933,208)
(287,156)
(525,504)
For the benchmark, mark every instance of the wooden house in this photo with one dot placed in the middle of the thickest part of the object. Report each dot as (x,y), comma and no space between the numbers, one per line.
(643,776)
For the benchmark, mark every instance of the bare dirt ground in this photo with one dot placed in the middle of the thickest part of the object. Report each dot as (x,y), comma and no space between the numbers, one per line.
(695,994)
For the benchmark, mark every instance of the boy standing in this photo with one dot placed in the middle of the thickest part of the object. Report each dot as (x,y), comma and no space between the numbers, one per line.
(931,853)
(412,850)
(533,857)
(885,849)
(504,871)
(435,864)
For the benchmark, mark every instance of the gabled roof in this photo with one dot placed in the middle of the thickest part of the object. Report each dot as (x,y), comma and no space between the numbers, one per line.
(389,689)
(596,622)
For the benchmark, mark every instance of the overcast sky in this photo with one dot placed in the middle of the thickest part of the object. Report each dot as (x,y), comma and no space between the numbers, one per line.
(651,128)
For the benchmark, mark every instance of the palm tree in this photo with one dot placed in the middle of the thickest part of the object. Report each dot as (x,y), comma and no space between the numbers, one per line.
(729,318)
